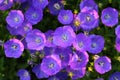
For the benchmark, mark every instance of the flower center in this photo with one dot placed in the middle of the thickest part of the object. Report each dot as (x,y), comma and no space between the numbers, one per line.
(50,38)
(61,56)
(101,63)
(65,17)
(41,1)
(64,37)
(25,74)
(51,65)
(55,78)
(34,15)
(16,19)
(37,40)
(26,28)
(77,23)
(80,44)
(115,78)
(14,47)
(107,16)
(88,18)
(57,6)
(79,59)
(94,45)
(5,2)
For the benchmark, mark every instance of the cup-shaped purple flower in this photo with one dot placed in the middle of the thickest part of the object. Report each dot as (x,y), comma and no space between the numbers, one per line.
(34,15)
(40,74)
(117,31)
(76,23)
(115,76)
(49,38)
(90,4)
(76,74)
(117,44)
(97,44)
(13,48)
(35,40)
(15,18)
(64,54)
(23,74)
(109,16)
(89,19)
(25,28)
(48,51)
(55,6)
(13,30)
(65,16)
(20,30)
(82,42)
(6,4)
(51,64)
(79,60)
(39,3)
(102,64)
(64,36)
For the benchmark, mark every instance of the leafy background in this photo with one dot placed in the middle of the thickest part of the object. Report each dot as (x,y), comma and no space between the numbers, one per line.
(9,66)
